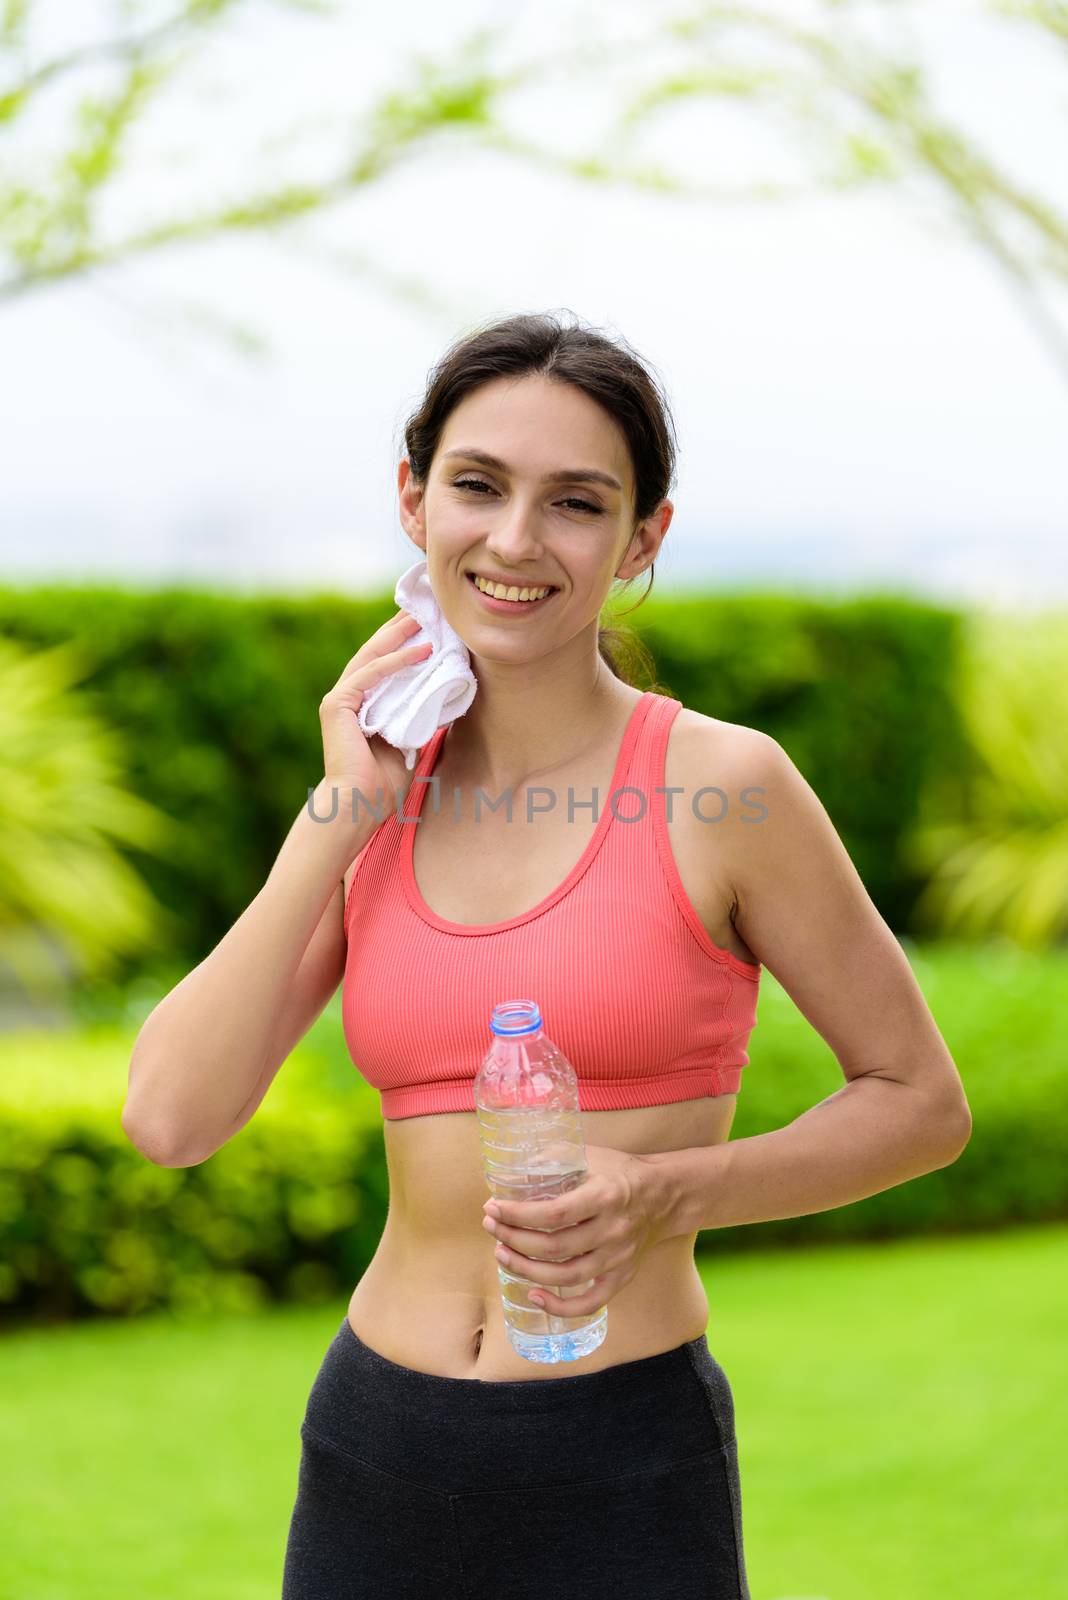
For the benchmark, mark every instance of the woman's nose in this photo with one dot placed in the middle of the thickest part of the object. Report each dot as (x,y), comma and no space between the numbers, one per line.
(516,539)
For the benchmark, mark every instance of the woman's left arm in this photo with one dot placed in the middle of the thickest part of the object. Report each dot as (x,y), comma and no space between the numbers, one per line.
(801,907)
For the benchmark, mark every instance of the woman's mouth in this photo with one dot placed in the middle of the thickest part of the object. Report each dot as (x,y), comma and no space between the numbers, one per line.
(508,607)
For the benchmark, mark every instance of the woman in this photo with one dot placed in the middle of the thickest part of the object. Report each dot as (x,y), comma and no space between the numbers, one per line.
(436,1459)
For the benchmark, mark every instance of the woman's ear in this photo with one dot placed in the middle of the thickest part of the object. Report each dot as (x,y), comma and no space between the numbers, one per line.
(411,501)
(645,541)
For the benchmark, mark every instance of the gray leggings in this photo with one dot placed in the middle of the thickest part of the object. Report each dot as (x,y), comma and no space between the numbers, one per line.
(620,1484)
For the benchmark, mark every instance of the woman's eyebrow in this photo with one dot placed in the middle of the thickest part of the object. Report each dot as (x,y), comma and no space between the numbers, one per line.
(571,475)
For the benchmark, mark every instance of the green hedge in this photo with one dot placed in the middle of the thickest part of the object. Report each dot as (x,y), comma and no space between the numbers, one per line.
(856,691)
(290,1210)
(1003,1013)
(217,700)
(293,1207)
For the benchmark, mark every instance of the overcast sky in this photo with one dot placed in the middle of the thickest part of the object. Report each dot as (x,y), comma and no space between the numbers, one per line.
(859,399)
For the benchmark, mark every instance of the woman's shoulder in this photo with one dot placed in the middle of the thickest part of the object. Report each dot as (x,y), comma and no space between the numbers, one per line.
(705,743)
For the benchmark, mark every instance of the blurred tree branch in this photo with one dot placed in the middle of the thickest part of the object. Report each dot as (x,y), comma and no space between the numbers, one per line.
(858,113)
(866,117)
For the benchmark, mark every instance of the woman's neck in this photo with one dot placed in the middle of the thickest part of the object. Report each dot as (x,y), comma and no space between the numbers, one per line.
(520,727)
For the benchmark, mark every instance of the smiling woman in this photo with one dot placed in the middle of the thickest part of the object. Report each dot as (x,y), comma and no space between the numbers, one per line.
(434,1456)
(536,475)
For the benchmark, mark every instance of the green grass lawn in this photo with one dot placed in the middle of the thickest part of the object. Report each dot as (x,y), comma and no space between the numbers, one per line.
(901,1415)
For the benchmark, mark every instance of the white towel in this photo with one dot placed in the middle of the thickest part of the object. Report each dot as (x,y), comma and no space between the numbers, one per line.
(408,706)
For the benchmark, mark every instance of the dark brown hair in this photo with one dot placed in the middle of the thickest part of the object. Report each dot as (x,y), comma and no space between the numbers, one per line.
(610,372)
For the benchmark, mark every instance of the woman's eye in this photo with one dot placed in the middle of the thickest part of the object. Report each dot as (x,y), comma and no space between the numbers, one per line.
(572,500)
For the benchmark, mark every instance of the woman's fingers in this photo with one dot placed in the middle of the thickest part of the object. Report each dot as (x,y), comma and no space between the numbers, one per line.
(557,1252)
(551,1274)
(381,665)
(393,629)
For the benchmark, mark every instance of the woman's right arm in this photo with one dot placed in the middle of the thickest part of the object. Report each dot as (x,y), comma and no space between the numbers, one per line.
(213,1044)
(209,1044)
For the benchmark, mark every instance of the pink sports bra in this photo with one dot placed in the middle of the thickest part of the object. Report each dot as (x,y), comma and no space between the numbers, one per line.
(645,1006)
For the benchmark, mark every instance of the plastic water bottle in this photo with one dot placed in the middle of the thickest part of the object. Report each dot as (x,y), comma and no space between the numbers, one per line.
(526,1094)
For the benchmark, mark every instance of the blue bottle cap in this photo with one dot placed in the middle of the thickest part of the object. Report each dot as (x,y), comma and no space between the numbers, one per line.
(514,1017)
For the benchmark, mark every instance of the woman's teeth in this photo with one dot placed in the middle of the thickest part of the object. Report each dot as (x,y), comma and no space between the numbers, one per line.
(499,592)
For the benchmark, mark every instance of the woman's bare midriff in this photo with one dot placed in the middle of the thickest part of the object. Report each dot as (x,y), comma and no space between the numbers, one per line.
(431,1298)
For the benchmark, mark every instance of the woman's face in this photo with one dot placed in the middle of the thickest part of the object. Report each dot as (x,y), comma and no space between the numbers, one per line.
(505,518)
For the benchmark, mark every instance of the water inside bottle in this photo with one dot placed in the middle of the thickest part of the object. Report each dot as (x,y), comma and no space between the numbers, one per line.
(521,1165)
